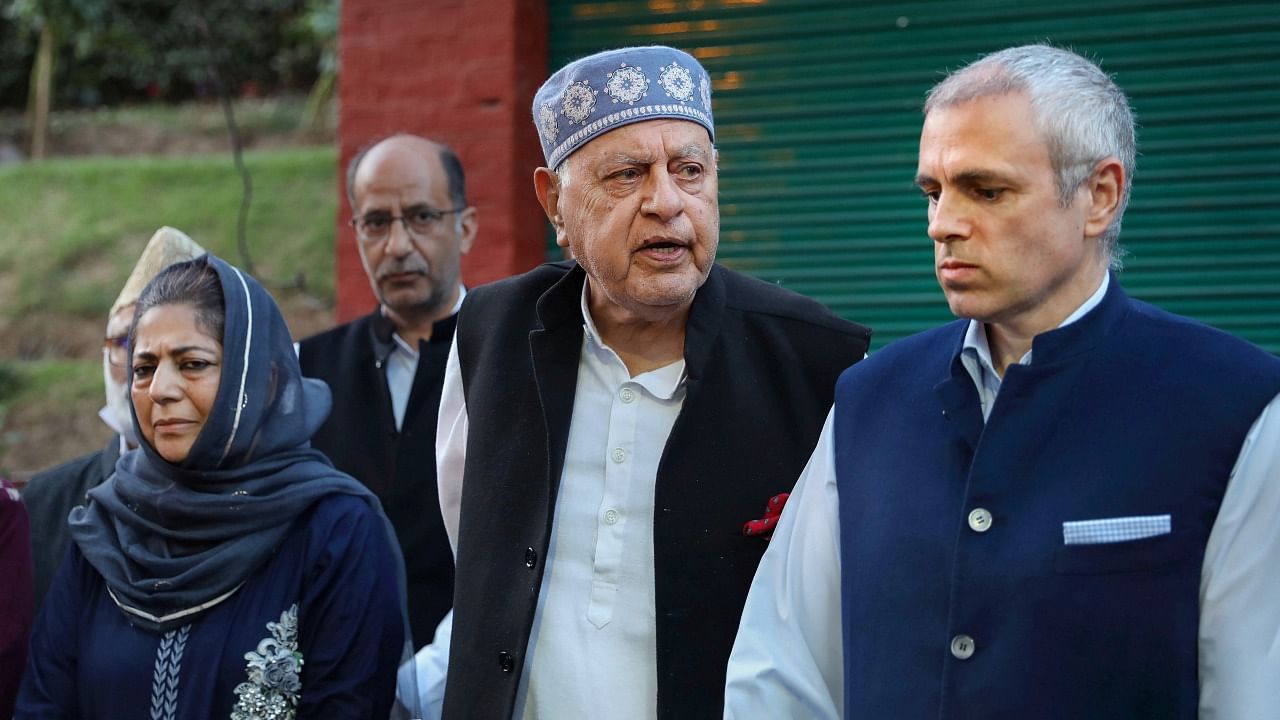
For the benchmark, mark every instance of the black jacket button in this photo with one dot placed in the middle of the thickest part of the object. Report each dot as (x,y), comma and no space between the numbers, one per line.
(506,662)
(530,557)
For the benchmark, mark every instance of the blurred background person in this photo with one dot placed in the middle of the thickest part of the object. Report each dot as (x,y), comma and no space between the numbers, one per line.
(15,599)
(51,494)
(225,569)
(412,226)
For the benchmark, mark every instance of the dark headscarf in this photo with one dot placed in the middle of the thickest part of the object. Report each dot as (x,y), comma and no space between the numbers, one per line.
(172,540)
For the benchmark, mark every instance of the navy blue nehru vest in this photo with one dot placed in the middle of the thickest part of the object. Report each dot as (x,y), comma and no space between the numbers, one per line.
(1130,411)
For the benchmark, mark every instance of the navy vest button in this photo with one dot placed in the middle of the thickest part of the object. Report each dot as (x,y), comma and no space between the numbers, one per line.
(980,520)
(962,647)
(506,662)
(530,557)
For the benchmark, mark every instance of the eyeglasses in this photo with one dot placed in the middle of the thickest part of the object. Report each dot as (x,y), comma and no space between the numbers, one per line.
(376,226)
(117,350)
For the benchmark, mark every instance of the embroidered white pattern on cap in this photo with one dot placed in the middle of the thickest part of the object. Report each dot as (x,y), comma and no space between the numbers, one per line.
(547,124)
(579,102)
(677,82)
(627,84)
(568,112)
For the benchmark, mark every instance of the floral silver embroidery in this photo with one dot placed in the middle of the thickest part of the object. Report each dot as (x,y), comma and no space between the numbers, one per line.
(677,82)
(547,123)
(705,92)
(274,683)
(627,84)
(579,102)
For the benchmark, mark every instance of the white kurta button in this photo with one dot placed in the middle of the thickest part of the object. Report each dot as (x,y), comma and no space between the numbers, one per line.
(627,395)
(619,455)
(962,647)
(610,517)
(980,520)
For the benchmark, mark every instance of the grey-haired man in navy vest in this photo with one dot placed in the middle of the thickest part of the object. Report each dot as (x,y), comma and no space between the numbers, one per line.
(609,423)
(412,226)
(1062,505)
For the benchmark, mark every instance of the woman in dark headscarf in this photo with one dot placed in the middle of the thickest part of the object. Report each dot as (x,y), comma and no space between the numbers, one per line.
(226,569)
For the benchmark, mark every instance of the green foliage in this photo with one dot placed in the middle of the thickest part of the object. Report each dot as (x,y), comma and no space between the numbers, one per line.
(130,49)
(207,41)
(17,48)
(81,22)
(315,31)
(74,228)
(53,381)
(10,382)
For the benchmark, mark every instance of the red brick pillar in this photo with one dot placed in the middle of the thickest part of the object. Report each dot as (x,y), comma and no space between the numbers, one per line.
(463,73)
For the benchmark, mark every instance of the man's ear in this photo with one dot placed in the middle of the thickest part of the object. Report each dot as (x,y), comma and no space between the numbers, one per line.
(1104,188)
(470,222)
(546,184)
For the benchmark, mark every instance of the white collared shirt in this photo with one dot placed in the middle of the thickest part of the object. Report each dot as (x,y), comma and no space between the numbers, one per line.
(787,661)
(592,650)
(402,367)
(975,354)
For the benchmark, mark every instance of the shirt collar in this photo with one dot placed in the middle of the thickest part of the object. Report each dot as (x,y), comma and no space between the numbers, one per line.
(387,340)
(588,324)
(977,347)
(662,383)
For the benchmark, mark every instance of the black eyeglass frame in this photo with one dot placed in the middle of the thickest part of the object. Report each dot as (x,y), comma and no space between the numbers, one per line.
(433,216)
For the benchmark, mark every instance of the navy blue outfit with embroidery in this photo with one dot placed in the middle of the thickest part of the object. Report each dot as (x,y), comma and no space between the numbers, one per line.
(85,647)
(245,579)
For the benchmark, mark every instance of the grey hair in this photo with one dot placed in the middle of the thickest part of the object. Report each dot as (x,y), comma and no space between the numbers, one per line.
(1081,113)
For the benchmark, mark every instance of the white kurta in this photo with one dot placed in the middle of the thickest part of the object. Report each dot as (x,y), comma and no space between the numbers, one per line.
(593,648)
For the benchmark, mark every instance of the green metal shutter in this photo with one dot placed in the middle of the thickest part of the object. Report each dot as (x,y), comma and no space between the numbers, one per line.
(817,118)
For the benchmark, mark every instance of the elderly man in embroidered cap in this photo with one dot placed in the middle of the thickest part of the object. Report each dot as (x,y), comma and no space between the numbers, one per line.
(609,423)
(52,493)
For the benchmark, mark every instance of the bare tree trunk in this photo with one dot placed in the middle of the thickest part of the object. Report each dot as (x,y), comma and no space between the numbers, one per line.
(315,113)
(39,97)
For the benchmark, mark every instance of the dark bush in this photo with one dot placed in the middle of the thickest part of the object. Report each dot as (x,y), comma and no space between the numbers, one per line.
(113,51)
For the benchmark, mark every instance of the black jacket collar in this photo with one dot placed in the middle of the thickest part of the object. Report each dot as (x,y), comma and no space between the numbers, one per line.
(381,329)
(562,303)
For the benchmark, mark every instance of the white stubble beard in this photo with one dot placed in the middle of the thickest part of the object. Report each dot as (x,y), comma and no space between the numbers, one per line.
(119,404)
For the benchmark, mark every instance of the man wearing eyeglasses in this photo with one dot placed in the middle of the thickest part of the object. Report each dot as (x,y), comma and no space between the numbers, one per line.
(52,493)
(412,225)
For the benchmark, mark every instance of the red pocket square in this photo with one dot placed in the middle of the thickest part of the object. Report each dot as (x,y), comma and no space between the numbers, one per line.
(772,511)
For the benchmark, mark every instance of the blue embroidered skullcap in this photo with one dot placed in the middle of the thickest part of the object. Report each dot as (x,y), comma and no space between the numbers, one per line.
(598,93)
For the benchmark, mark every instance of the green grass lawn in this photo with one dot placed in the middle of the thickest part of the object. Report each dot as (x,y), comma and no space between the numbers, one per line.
(74,228)
(71,232)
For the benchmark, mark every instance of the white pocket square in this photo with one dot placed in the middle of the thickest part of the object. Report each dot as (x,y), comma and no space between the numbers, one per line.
(1113,530)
